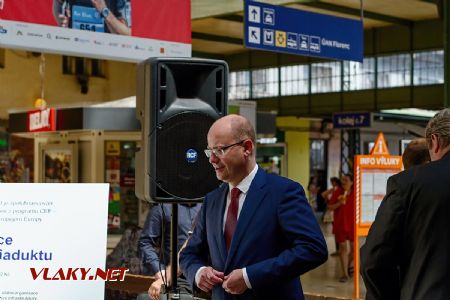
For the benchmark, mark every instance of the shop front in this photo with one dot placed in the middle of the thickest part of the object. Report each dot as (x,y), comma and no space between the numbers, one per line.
(85,145)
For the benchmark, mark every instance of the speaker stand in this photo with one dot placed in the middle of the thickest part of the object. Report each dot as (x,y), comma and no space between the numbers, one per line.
(174,291)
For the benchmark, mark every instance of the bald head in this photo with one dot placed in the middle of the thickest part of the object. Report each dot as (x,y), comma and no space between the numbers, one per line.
(233,139)
(236,126)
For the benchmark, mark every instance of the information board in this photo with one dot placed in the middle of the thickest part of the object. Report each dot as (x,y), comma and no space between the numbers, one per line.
(49,234)
(352,120)
(283,29)
(373,189)
(371,173)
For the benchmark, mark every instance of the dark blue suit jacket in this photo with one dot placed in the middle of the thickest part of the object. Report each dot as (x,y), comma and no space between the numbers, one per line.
(277,239)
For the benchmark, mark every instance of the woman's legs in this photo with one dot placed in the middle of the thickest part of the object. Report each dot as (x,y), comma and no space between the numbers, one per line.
(350,259)
(344,258)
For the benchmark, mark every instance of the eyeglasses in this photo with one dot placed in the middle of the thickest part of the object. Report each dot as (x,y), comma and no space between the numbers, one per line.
(220,151)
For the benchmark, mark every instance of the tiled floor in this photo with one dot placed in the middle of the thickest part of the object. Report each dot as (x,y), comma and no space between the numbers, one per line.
(325,279)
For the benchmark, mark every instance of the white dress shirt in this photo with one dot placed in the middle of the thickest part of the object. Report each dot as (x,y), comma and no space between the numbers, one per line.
(243,186)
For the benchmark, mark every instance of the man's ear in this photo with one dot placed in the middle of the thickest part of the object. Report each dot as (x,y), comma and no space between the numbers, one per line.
(435,147)
(249,147)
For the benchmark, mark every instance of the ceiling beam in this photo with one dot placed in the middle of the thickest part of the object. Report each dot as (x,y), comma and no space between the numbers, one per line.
(439,4)
(337,8)
(207,55)
(217,38)
(234,18)
(357,12)
(201,9)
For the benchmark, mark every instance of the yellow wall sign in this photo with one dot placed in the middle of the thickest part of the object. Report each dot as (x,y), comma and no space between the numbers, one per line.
(112,148)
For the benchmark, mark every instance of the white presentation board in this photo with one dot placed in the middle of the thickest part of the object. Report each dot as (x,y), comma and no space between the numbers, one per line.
(48,228)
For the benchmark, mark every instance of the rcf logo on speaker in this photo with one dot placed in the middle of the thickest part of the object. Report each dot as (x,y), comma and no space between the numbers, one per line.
(110,274)
(191,155)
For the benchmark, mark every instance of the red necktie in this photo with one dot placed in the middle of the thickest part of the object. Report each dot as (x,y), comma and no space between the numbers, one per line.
(230,224)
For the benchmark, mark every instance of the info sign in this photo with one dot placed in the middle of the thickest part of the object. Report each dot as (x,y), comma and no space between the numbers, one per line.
(53,241)
(351,120)
(283,29)
(371,173)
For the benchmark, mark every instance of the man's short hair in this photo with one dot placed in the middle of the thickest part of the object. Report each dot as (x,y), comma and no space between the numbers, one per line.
(243,129)
(440,126)
(416,153)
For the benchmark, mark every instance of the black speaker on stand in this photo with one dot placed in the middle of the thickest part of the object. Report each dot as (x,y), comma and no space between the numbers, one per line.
(177,102)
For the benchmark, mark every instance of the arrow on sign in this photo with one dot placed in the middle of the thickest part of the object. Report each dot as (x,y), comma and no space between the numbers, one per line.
(254,34)
(255,13)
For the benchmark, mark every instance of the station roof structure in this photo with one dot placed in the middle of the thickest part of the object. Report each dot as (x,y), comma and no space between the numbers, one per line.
(217,25)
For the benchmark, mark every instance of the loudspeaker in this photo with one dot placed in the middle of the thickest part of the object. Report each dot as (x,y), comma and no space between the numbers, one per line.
(177,102)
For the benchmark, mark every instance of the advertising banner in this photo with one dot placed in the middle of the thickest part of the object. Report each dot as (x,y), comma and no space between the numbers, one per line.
(128,30)
(53,241)
(283,29)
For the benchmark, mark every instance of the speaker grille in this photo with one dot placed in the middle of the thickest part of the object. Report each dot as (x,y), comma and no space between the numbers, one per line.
(175,174)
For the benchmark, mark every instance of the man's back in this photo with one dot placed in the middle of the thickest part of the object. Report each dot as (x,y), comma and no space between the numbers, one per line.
(425,267)
(411,233)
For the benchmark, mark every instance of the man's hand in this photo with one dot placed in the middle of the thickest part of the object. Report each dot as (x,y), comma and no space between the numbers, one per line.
(209,278)
(155,289)
(234,283)
(64,16)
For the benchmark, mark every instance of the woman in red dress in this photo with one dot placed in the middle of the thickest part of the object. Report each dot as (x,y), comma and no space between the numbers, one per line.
(331,196)
(343,225)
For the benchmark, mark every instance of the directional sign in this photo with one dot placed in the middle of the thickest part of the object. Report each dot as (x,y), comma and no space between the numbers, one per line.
(351,120)
(301,32)
(254,14)
(268,37)
(254,35)
(280,37)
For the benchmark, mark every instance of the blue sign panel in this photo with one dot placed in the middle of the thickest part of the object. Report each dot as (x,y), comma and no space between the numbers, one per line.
(87,18)
(282,29)
(351,120)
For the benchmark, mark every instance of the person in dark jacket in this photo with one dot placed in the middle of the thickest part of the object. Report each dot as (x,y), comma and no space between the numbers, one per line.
(406,254)
(154,243)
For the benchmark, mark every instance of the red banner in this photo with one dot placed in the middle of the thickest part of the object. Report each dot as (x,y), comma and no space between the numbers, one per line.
(161,26)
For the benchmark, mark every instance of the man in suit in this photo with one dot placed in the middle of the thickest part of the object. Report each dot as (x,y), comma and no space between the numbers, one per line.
(256,233)
(406,254)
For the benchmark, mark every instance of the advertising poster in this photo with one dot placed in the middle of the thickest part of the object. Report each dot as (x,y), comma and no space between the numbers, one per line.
(59,163)
(58,166)
(52,241)
(128,30)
